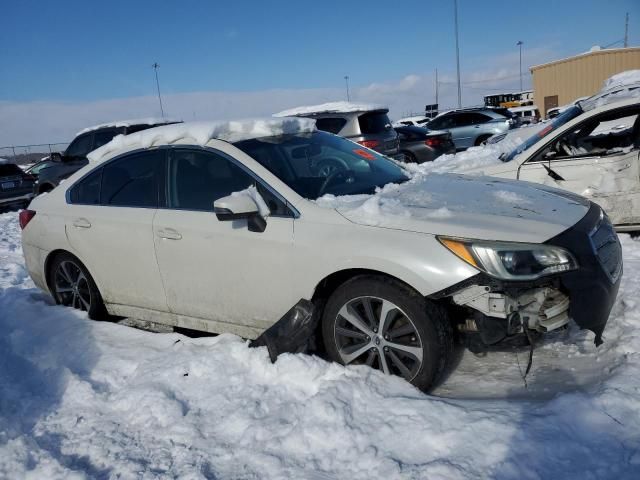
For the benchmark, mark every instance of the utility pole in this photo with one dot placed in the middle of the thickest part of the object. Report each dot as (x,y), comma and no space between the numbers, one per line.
(626,30)
(455,13)
(155,68)
(520,45)
(436,86)
(346,81)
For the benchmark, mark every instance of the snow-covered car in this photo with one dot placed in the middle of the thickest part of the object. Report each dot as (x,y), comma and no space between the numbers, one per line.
(416,121)
(232,227)
(50,171)
(362,123)
(594,153)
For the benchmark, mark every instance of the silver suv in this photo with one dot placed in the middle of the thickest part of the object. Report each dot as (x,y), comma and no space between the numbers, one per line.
(471,128)
(367,125)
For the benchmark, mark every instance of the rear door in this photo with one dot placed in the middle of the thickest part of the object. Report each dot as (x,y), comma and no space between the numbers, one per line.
(109,226)
(598,158)
(219,271)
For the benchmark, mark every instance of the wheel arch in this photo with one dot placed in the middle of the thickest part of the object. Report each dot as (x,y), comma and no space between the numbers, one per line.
(49,260)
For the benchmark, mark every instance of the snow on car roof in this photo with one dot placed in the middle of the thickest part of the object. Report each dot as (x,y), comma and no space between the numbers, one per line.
(623,78)
(128,123)
(331,107)
(200,133)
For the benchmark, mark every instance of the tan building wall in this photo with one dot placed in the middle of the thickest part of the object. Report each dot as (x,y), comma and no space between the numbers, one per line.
(561,82)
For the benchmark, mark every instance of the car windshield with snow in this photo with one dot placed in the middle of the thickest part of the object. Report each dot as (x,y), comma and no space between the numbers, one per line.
(276,232)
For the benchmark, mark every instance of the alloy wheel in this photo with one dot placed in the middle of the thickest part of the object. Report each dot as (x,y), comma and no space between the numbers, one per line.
(376,332)
(71,286)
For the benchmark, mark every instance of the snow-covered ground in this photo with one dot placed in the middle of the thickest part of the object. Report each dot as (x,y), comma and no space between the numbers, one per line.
(83,399)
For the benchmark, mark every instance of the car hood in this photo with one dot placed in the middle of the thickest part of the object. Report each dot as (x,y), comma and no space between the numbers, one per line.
(486,208)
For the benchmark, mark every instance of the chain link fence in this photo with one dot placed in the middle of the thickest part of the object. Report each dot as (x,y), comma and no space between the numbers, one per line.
(27,154)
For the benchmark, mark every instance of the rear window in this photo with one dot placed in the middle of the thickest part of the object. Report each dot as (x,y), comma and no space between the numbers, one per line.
(373,122)
(7,169)
(330,124)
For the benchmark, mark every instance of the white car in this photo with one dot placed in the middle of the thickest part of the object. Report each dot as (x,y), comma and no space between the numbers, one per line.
(233,227)
(594,153)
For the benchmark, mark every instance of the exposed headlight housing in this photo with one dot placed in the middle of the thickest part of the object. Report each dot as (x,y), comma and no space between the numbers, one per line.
(512,261)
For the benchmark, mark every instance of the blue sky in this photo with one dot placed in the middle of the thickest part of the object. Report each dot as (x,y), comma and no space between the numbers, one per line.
(69,64)
(83,50)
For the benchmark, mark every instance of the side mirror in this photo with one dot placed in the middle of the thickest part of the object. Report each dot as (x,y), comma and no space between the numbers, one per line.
(56,156)
(238,207)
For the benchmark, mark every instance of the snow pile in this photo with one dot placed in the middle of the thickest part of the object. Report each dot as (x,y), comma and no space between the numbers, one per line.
(83,399)
(129,123)
(331,107)
(200,133)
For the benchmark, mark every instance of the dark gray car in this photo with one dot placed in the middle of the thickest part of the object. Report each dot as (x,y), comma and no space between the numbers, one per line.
(50,171)
(420,145)
(367,125)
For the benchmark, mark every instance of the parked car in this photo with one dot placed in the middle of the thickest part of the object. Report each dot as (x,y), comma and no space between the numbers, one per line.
(50,171)
(471,127)
(594,154)
(16,186)
(526,115)
(229,227)
(367,125)
(420,145)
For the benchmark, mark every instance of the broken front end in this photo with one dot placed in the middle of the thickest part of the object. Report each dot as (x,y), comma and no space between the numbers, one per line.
(527,290)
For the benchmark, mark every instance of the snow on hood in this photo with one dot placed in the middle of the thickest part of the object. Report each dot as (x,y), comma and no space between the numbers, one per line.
(484,208)
(128,123)
(331,107)
(201,132)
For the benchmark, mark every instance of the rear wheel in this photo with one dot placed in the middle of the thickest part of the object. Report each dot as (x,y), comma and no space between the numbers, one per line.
(482,140)
(409,157)
(72,286)
(380,322)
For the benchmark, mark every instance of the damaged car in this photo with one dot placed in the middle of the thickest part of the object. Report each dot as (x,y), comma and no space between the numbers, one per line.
(232,228)
(589,149)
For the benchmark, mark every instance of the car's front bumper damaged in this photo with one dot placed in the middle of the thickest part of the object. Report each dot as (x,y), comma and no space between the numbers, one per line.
(494,311)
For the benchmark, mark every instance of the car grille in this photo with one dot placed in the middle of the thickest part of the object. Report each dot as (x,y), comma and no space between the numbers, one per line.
(607,248)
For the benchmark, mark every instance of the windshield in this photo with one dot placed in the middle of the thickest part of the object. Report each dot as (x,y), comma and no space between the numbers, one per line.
(314,164)
(566,116)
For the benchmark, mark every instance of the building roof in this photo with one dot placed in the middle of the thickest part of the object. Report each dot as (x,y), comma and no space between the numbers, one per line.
(606,51)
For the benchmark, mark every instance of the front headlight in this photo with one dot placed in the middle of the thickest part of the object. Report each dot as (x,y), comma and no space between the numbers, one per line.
(512,261)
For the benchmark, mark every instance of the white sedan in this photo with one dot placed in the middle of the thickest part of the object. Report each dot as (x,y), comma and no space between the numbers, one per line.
(236,227)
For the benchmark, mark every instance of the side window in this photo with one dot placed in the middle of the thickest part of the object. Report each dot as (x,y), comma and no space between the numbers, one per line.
(608,134)
(80,146)
(87,191)
(331,124)
(102,137)
(132,181)
(199,178)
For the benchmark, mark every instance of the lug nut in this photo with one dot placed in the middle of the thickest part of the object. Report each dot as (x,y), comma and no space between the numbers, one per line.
(375,330)
(386,349)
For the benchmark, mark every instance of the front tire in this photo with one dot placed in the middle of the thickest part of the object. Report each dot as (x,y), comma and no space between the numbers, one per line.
(72,286)
(382,323)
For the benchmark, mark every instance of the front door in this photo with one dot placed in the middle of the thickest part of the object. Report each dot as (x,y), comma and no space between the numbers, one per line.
(214,270)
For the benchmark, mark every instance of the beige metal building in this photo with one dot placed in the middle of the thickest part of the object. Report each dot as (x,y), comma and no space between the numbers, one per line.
(562,81)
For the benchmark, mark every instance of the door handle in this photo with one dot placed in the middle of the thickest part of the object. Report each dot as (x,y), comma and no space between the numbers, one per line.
(81,223)
(168,233)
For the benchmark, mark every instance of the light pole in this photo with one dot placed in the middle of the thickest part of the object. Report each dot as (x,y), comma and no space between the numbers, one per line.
(155,68)
(519,44)
(346,81)
(455,16)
